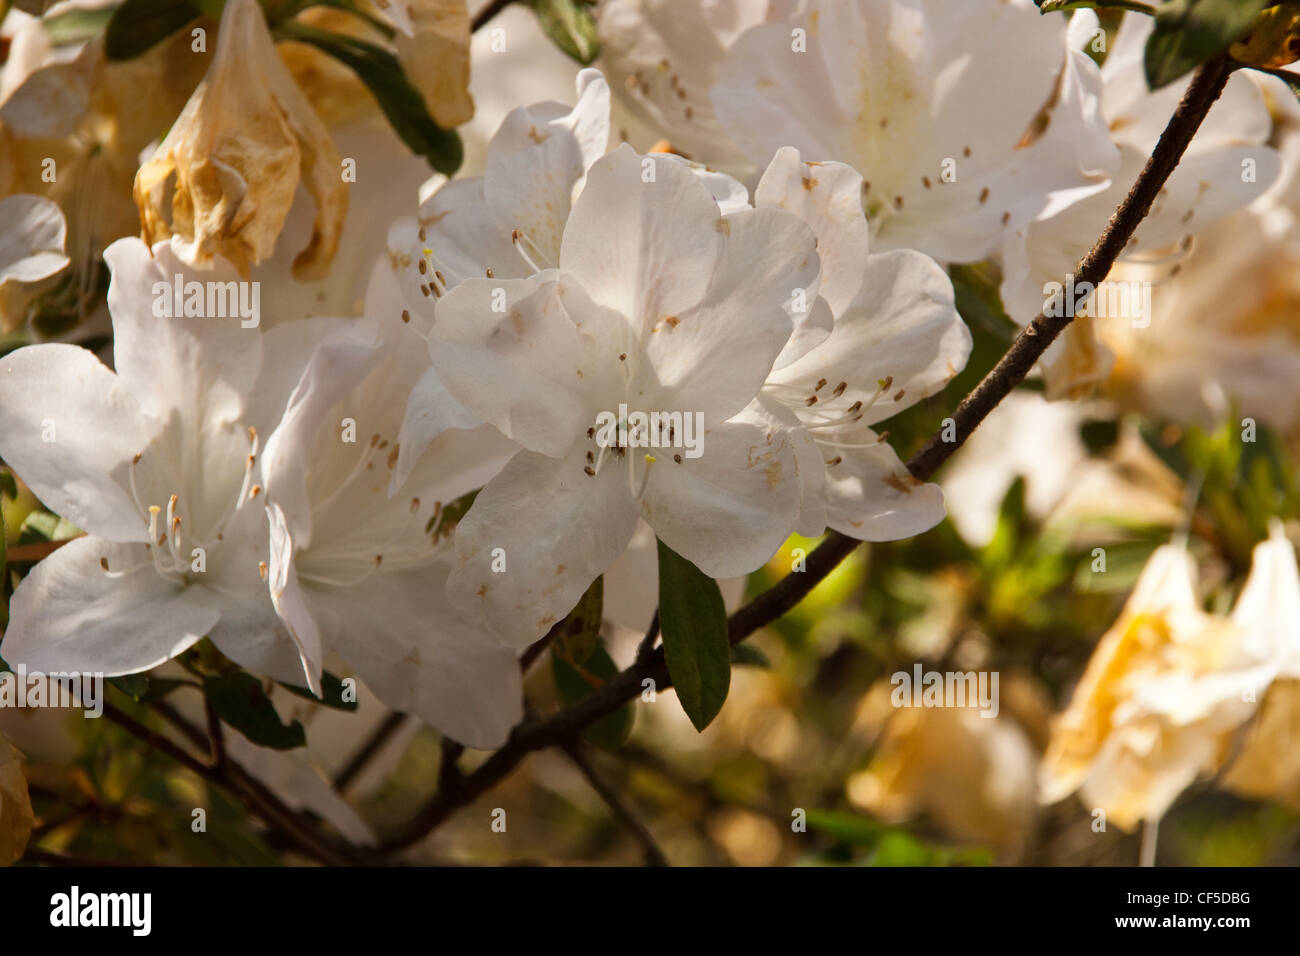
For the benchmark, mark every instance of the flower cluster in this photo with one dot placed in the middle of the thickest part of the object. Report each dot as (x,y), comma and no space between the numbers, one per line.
(303,409)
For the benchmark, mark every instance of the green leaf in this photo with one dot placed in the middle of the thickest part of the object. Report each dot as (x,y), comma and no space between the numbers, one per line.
(138,25)
(1189,32)
(134,686)
(751,656)
(331,693)
(239,700)
(1061,6)
(579,633)
(8,487)
(846,827)
(1292,80)
(401,102)
(4,559)
(574,683)
(77,26)
(571,27)
(43,526)
(693,621)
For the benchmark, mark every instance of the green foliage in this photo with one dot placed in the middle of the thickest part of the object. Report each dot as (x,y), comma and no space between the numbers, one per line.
(693,621)
(571,27)
(1190,32)
(240,701)
(574,681)
(77,26)
(138,25)
(42,526)
(401,102)
(580,664)
(331,693)
(862,841)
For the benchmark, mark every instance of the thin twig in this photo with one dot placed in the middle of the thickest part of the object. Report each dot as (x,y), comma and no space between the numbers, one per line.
(366,752)
(648,642)
(216,738)
(654,856)
(1020,358)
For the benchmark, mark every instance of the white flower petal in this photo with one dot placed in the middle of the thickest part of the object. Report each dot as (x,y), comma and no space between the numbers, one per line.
(69,429)
(728,510)
(902,324)
(69,614)
(556,528)
(427,659)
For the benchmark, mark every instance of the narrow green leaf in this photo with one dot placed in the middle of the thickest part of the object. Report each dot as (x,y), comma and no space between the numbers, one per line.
(77,26)
(571,27)
(401,102)
(138,25)
(574,683)
(693,621)
(239,700)
(579,633)
(1189,32)
(846,827)
(134,686)
(43,526)
(4,556)
(1292,80)
(331,693)
(1065,6)
(751,656)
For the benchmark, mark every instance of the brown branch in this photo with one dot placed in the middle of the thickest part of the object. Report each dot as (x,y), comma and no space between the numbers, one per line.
(233,778)
(366,752)
(1020,358)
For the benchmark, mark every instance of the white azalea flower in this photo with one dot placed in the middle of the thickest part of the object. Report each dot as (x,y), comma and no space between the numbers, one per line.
(903,91)
(361,573)
(660,304)
(157,462)
(1225,168)
(508,222)
(663,57)
(31,250)
(896,339)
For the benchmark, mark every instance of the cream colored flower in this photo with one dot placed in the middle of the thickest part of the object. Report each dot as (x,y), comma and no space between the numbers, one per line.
(72,125)
(222,182)
(1165,687)
(16,816)
(433,47)
(972,775)
(31,250)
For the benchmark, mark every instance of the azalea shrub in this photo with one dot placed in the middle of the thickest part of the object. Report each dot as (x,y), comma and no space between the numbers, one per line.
(760,432)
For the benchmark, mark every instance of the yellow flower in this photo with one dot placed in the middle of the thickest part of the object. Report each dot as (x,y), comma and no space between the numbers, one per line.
(223,180)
